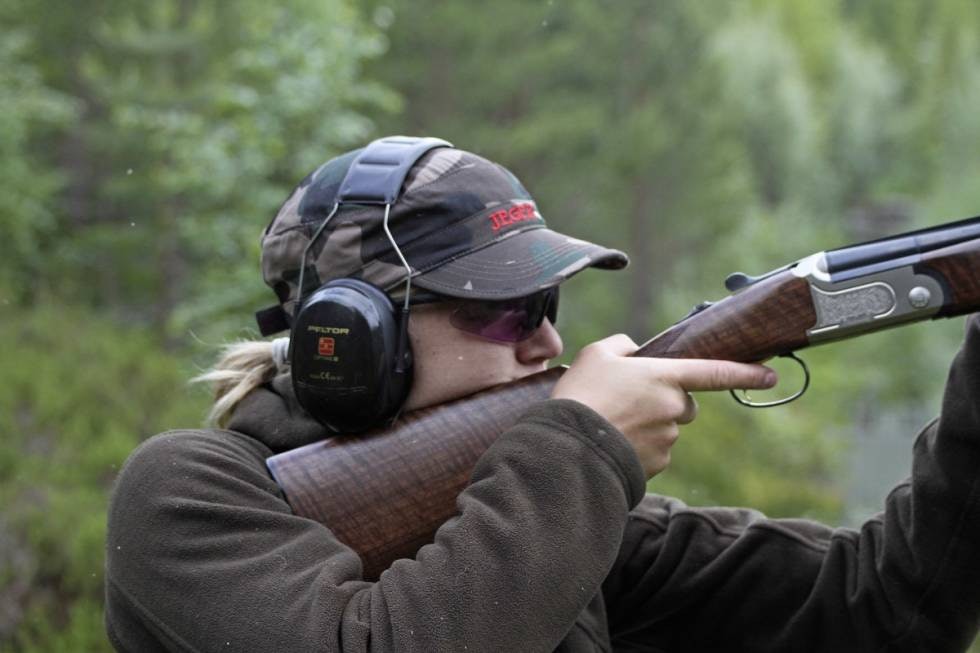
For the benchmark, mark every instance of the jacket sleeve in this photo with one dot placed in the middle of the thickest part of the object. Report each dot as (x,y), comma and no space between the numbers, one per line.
(722,579)
(203,553)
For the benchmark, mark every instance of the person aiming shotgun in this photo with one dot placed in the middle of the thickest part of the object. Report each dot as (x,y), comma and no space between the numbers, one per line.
(410,273)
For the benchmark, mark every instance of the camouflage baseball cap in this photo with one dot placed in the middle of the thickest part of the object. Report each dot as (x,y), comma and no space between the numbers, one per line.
(466,226)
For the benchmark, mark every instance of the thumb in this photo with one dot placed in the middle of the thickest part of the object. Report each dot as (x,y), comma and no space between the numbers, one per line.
(618,345)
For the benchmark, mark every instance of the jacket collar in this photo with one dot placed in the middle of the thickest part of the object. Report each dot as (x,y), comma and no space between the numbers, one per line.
(271,415)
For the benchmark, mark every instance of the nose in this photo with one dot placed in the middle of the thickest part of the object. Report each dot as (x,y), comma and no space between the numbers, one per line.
(544,344)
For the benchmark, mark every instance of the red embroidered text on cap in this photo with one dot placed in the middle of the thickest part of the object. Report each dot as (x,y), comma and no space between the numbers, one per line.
(518,213)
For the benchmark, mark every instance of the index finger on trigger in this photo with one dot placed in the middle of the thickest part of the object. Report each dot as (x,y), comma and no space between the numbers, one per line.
(702,374)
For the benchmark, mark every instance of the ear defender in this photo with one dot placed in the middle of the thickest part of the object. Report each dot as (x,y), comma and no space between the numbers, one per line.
(349,355)
(346,355)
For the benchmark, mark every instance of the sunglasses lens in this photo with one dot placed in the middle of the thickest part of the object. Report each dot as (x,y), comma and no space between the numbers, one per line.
(493,322)
(507,321)
(551,306)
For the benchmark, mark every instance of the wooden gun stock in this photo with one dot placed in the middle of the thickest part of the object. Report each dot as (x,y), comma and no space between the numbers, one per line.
(385,493)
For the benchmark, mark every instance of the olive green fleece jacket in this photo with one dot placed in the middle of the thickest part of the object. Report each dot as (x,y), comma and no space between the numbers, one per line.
(555,547)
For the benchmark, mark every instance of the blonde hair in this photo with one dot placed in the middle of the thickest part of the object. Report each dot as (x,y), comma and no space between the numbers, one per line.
(241,367)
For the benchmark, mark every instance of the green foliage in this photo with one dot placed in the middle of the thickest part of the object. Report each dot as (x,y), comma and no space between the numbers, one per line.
(80,393)
(27,212)
(764,86)
(83,630)
(197,119)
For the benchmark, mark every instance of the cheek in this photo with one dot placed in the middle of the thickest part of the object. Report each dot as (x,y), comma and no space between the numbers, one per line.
(450,363)
(476,366)
(455,357)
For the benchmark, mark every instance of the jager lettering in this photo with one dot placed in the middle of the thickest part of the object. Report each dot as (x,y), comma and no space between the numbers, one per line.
(517,213)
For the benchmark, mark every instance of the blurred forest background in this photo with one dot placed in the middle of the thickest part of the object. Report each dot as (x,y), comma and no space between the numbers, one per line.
(144,146)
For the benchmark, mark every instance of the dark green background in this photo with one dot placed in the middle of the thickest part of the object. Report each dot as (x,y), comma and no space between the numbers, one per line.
(144,146)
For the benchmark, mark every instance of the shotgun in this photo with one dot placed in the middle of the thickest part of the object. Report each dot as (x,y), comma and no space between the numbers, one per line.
(386,492)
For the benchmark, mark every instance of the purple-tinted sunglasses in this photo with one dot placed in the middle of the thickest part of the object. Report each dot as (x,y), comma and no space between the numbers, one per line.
(508,320)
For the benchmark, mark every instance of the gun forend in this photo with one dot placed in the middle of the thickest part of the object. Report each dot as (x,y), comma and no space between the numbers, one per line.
(814,300)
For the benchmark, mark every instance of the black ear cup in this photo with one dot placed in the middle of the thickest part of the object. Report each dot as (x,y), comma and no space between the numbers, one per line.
(344,350)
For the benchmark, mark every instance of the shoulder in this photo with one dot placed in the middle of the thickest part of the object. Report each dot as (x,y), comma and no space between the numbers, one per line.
(200,539)
(173,448)
(183,488)
(207,465)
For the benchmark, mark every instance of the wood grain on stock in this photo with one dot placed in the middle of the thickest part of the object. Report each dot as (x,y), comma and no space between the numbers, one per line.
(958,271)
(768,318)
(386,492)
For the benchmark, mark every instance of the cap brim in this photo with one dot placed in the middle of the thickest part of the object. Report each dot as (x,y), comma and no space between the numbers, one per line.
(519,264)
